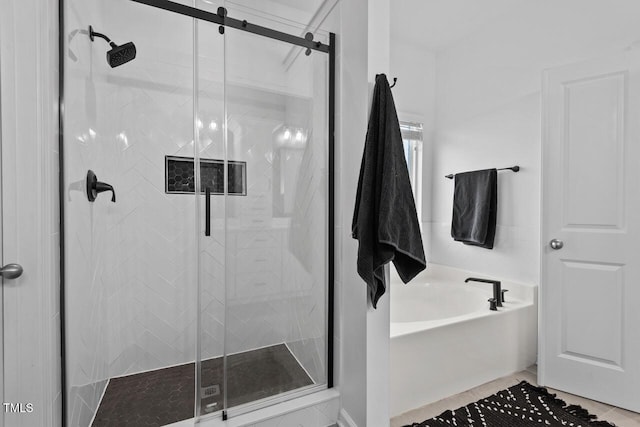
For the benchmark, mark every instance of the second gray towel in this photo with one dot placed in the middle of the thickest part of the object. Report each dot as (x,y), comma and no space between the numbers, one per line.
(475,205)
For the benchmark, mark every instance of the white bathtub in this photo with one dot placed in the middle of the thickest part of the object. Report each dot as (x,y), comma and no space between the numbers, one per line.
(445,340)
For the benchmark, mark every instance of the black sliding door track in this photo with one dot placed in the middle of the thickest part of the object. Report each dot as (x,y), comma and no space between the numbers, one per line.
(221,18)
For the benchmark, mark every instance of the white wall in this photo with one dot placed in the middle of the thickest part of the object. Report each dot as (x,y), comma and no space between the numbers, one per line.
(488,114)
(351,296)
(415,91)
(378,319)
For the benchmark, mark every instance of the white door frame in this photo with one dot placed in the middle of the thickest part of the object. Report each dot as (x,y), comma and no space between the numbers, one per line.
(29,70)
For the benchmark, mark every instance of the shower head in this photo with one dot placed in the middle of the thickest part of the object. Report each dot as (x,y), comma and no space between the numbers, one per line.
(122,54)
(118,55)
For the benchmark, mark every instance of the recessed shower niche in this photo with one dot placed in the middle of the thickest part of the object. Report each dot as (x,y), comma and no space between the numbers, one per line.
(172,301)
(180,176)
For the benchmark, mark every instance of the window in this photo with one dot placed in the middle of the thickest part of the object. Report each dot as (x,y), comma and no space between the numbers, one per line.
(412,141)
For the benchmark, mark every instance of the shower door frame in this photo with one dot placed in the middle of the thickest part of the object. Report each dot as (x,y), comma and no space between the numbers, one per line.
(223,20)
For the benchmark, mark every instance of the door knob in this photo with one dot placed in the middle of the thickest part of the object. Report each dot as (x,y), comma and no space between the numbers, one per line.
(556,244)
(11,271)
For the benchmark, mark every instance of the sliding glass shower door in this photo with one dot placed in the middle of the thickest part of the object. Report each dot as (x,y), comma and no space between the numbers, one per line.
(271,204)
(197,212)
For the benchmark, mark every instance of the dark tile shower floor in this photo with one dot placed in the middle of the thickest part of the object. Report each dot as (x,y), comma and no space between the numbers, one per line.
(165,396)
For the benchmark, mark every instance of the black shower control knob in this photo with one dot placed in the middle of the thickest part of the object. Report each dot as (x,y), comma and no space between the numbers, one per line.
(95,187)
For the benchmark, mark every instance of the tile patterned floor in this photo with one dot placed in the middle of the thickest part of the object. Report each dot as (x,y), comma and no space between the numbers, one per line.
(619,417)
(254,375)
(165,396)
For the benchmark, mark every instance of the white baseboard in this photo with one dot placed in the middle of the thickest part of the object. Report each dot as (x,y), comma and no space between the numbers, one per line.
(345,420)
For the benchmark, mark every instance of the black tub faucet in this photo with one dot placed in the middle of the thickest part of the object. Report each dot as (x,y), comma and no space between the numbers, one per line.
(498,295)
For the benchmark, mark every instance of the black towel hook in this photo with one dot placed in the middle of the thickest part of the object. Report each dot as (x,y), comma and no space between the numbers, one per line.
(395,80)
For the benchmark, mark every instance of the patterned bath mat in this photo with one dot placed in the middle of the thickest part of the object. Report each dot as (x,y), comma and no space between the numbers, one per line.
(522,405)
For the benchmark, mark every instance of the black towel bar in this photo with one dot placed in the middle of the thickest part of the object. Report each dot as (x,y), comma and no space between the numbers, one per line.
(512,168)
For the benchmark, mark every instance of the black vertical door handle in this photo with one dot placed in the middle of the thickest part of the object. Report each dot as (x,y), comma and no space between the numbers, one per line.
(207,212)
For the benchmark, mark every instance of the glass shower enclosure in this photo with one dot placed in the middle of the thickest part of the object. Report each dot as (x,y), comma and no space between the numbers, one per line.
(198,209)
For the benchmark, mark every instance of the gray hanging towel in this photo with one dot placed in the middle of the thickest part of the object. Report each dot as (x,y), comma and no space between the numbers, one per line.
(475,203)
(385,221)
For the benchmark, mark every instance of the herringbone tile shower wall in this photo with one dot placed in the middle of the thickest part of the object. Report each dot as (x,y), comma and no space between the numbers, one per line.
(131,294)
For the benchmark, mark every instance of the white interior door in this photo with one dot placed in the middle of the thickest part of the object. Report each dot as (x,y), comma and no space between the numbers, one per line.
(590,290)
(1,260)
(29,193)
(7,196)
